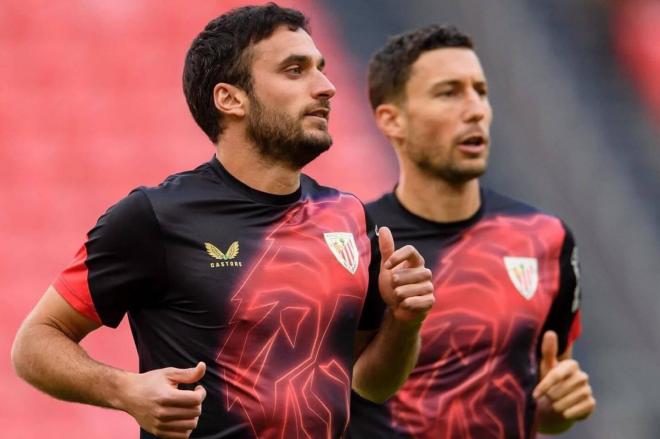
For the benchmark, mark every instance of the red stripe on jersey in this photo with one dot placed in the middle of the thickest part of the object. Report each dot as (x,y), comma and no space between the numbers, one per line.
(576,328)
(72,285)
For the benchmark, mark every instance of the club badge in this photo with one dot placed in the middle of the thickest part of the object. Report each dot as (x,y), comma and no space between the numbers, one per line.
(524,274)
(343,247)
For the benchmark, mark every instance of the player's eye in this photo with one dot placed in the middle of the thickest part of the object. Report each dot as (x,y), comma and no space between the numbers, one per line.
(447,93)
(294,70)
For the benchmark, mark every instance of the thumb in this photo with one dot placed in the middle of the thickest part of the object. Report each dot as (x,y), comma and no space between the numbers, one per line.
(385,245)
(549,350)
(187,376)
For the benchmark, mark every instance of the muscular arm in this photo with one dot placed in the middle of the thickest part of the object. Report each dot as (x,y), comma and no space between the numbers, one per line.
(46,354)
(390,355)
(385,360)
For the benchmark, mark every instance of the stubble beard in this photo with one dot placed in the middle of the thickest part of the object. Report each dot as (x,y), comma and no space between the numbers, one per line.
(447,169)
(280,138)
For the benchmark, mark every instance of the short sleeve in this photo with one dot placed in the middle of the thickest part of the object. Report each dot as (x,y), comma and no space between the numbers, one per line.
(120,266)
(374,307)
(564,315)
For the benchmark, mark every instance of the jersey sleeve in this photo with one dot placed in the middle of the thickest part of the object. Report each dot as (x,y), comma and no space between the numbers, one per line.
(120,266)
(564,315)
(374,307)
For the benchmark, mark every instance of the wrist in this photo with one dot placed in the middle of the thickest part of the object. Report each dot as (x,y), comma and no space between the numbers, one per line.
(403,326)
(122,386)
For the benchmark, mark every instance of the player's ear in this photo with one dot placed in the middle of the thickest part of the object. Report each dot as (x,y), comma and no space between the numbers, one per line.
(389,121)
(229,99)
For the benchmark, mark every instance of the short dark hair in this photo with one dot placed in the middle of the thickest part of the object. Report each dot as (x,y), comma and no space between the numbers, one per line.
(389,68)
(221,53)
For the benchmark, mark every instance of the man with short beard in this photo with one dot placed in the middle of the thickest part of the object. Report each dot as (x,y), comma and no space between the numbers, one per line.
(257,298)
(496,359)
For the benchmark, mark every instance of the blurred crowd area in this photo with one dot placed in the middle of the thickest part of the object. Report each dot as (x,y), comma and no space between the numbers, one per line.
(91,106)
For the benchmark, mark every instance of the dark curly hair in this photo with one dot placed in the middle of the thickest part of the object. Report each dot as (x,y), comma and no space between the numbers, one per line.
(389,68)
(221,53)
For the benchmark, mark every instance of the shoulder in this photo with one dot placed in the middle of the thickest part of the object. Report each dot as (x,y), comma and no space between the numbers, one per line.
(186,183)
(318,193)
(381,207)
(505,208)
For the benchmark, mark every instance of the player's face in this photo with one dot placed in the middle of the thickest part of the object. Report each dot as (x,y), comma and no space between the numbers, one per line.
(290,102)
(447,115)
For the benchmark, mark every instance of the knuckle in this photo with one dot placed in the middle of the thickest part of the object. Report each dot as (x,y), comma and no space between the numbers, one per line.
(158,414)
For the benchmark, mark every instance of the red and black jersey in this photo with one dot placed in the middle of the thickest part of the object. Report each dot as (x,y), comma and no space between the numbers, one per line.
(502,278)
(268,290)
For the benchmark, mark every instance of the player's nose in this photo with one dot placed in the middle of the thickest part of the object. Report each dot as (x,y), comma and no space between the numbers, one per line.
(476,107)
(323,88)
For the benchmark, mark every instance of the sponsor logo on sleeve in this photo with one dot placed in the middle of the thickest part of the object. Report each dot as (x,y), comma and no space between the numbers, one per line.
(524,274)
(575,262)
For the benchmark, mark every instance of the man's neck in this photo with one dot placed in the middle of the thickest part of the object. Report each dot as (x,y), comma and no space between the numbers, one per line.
(241,159)
(437,200)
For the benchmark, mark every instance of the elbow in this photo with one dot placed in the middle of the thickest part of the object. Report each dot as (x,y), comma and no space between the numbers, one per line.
(18,356)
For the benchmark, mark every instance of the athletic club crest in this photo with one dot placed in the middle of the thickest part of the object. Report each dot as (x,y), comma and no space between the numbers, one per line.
(343,247)
(524,274)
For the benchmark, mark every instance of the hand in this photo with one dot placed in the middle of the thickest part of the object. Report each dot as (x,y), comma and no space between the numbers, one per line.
(563,383)
(160,407)
(405,284)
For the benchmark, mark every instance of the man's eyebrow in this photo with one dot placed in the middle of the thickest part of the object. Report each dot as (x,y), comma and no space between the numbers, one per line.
(456,82)
(446,82)
(301,59)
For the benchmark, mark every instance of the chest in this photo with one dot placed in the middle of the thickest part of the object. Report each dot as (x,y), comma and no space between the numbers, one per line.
(222,267)
(494,285)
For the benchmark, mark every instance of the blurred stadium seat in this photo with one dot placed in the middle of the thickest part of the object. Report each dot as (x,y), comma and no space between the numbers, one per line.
(91,106)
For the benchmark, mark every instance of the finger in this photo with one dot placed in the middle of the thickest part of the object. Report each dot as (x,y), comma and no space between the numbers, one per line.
(201,391)
(418,303)
(173,434)
(185,398)
(549,350)
(421,289)
(187,376)
(408,254)
(581,410)
(572,399)
(555,376)
(181,425)
(385,245)
(571,384)
(180,413)
(407,276)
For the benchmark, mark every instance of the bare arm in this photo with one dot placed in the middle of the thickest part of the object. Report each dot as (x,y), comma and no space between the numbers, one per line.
(388,357)
(564,394)
(46,354)
(386,360)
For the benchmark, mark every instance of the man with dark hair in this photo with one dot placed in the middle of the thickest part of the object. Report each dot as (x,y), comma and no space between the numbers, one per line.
(257,298)
(496,359)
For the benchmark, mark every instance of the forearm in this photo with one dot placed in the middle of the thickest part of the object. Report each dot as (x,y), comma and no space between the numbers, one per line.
(49,360)
(387,360)
(549,421)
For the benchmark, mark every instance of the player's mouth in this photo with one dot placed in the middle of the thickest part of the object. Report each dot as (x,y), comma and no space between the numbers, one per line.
(473,143)
(319,112)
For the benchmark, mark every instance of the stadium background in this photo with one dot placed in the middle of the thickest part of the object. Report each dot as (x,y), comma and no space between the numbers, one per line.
(91,106)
